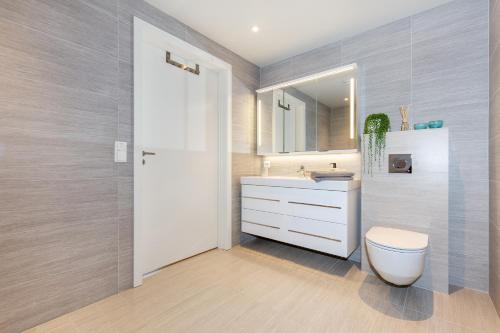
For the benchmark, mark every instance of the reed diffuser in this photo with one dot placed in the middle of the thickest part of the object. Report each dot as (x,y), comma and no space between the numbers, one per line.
(405,125)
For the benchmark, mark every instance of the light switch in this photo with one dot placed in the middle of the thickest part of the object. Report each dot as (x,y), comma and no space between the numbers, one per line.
(120,152)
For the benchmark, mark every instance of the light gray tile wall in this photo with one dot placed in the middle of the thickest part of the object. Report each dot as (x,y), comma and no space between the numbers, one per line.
(417,201)
(495,153)
(67,94)
(58,218)
(450,82)
(436,62)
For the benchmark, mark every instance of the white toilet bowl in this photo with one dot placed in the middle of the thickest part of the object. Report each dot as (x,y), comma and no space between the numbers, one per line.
(397,255)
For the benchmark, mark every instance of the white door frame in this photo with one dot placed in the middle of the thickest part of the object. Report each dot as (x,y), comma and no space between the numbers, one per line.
(145,31)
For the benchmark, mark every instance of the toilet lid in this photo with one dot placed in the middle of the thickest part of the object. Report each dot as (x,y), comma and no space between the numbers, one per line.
(397,239)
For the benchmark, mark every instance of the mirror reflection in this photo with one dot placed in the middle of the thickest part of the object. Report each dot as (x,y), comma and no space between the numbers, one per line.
(317,114)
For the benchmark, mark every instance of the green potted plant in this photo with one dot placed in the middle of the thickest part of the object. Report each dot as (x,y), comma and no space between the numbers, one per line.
(376,127)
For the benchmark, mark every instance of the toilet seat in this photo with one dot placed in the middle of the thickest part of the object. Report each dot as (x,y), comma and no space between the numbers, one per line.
(392,248)
(397,240)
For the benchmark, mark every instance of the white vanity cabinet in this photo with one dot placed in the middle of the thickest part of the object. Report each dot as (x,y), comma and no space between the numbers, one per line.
(323,216)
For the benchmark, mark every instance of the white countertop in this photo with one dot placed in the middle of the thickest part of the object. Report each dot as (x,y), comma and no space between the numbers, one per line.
(306,183)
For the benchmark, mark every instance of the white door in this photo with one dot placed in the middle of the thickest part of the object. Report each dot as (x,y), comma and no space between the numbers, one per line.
(178,178)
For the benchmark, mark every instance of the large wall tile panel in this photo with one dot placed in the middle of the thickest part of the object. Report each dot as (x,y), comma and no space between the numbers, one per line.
(383,56)
(436,62)
(495,153)
(66,219)
(450,82)
(58,122)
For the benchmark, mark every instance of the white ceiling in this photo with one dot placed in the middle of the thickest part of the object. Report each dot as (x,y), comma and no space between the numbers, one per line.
(287,27)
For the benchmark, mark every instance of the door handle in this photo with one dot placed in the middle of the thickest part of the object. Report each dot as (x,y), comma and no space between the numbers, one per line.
(144,153)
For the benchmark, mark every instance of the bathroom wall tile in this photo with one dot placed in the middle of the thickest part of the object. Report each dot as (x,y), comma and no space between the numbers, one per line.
(244,118)
(125,39)
(54,157)
(109,7)
(276,73)
(43,58)
(383,57)
(126,93)
(125,253)
(18,299)
(54,111)
(56,128)
(245,71)
(460,97)
(474,273)
(388,37)
(494,27)
(386,84)
(82,24)
(495,253)
(495,72)
(494,151)
(49,246)
(317,60)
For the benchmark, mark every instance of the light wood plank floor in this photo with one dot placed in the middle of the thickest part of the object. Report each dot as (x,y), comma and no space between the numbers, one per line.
(271,287)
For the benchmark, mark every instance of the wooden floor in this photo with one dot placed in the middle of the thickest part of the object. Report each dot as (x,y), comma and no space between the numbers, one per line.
(270,287)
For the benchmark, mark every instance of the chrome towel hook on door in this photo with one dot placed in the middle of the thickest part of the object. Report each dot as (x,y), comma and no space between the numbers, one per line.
(182,66)
(146,153)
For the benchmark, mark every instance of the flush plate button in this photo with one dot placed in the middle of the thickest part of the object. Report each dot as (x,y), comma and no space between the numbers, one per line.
(400,163)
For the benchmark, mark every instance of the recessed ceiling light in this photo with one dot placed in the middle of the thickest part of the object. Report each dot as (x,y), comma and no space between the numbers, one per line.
(346,99)
(255,28)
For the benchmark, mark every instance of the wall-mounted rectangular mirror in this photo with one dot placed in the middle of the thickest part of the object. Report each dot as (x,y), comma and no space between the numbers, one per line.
(314,114)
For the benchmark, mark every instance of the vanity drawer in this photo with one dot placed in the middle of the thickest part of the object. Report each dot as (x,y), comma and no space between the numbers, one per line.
(318,205)
(321,229)
(261,230)
(262,218)
(261,198)
(317,235)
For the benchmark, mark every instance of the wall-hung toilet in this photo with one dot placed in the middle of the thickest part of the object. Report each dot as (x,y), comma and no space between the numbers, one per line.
(397,255)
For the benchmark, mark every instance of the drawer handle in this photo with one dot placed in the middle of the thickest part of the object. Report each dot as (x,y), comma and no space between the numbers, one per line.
(304,233)
(262,225)
(257,198)
(314,205)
